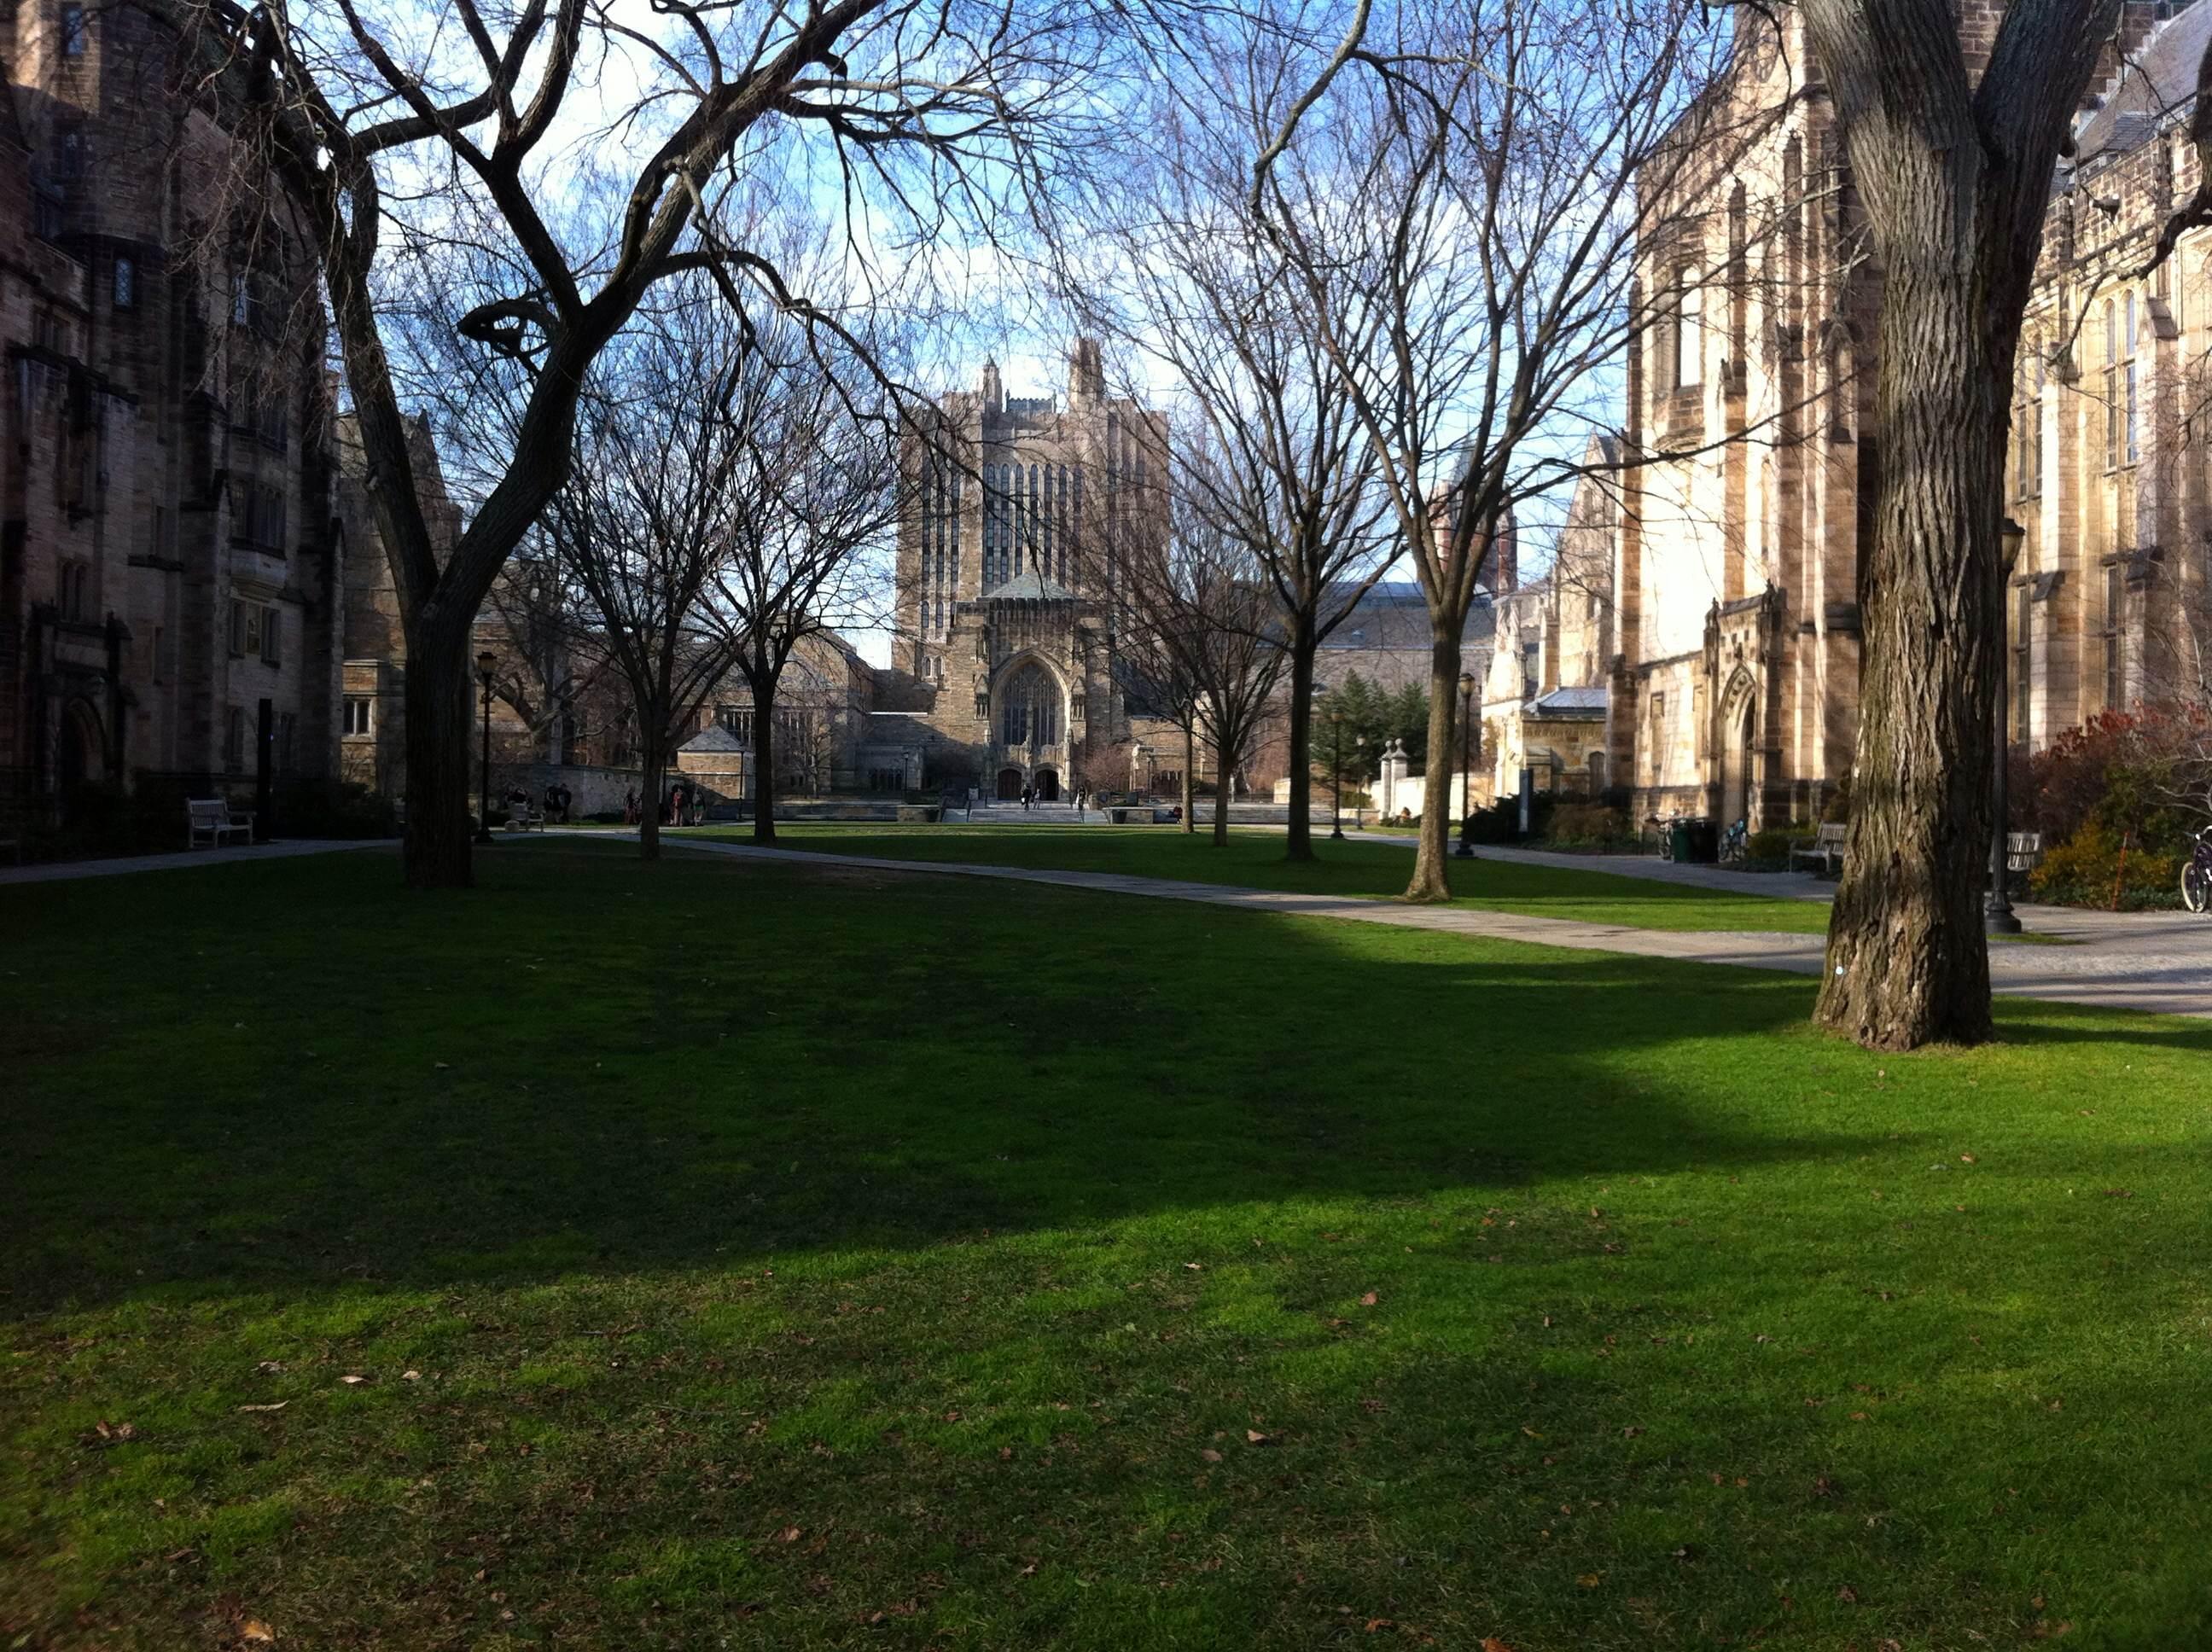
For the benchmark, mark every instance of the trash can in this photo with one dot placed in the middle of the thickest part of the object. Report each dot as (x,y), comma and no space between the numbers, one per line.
(1697,841)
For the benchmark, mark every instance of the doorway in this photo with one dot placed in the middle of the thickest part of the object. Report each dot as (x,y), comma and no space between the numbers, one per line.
(1048,786)
(1736,767)
(1010,785)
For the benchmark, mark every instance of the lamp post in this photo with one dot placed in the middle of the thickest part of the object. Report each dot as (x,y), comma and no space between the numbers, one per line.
(1335,774)
(1359,745)
(1466,850)
(485,662)
(1998,917)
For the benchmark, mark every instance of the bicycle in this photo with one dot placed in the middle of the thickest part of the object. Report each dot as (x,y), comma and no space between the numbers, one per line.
(2197,873)
(1735,841)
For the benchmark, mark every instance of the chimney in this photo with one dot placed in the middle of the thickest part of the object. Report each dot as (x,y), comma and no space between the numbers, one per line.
(1086,374)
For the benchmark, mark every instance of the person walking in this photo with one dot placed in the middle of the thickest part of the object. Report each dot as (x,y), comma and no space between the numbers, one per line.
(630,807)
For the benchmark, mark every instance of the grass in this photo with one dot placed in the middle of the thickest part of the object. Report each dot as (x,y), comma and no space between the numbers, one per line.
(758,1256)
(1255,859)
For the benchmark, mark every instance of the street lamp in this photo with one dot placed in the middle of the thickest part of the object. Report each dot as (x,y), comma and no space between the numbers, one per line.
(1335,774)
(1358,745)
(485,662)
(1998,917)
(1466,850)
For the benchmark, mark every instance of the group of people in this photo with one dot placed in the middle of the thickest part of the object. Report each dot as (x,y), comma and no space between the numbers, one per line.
(555,805)
(1033,797)
(680,805)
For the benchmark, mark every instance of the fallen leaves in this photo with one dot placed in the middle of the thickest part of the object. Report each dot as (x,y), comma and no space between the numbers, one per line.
(352,1380)
(279,1405)
(255,1630)
(1368,1301)
(1257,1437)
(1210,1455)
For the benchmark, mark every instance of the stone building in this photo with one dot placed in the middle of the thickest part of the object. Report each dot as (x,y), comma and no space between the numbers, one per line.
(1023,512)
(1546,692)
(372,733)
(169,574)
(1751,461)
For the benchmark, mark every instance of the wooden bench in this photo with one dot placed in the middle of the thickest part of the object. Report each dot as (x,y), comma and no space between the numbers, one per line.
(528,817)
(1826,850)
(213,819)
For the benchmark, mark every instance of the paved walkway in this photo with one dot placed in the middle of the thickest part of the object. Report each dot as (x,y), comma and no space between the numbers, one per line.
(62,870)
(2160,961)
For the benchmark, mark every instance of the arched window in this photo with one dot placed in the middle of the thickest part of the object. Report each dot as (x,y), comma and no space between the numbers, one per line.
(1029,711)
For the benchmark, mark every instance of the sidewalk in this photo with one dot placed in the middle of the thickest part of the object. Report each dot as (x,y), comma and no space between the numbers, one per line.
(2157,962)
(59,871)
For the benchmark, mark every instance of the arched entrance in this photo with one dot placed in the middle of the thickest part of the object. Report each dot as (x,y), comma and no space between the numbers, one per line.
(1736,713)
(81,754)
(1048,786)
(1010,785)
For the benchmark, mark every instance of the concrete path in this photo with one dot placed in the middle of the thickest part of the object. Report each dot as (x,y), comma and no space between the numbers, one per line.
(62,871)
(2160,961)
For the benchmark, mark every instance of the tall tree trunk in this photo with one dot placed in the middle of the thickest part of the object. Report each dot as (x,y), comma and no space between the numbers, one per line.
(1224,746)
(1190,776)
(1432,881)
(1301,758)
(653,761)
(1907,960)
(1952,139)
(763,759)
(441,736)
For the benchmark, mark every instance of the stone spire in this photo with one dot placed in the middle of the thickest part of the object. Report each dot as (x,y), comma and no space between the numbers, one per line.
(995,393)
(1086,374)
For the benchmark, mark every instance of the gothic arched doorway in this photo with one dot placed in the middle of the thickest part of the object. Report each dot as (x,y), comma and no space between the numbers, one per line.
(1048,786)
(81,754)
(1010,785)
(1736,712)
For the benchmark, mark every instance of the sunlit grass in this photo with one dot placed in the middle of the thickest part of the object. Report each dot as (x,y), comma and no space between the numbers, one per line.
(798,1257)
(1258,859)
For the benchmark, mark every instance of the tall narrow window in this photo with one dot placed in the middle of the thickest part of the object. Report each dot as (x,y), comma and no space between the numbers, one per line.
(73,31)
(127,284)
(2128,381)
(1687,340)
(2111,386)
(2023,685)
(2115,601)
(2035,428)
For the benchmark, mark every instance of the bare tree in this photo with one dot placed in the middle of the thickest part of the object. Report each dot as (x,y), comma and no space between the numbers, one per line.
(1955,175)
(400,137)
(1200,607)
(1459,195)
(818,505)
(643,526)
(1198,284)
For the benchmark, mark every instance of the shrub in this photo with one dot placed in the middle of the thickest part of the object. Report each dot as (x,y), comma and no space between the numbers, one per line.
(328,808)
(1769,851)
(2085,871)
(1585,825)
(2127,771)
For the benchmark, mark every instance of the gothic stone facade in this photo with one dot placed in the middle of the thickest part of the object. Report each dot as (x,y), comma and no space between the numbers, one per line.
(168,573)
(1751,462)
(1022,512)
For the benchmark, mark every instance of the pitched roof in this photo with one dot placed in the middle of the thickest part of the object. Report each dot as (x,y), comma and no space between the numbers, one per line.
(714,738)
(1571,702)
(2158,77)
(1030,585)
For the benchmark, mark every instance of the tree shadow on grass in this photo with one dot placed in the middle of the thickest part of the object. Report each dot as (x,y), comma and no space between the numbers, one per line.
(296,1075)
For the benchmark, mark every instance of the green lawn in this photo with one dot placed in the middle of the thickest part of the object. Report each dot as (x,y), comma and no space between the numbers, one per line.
(1255,859)
(757,1256)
